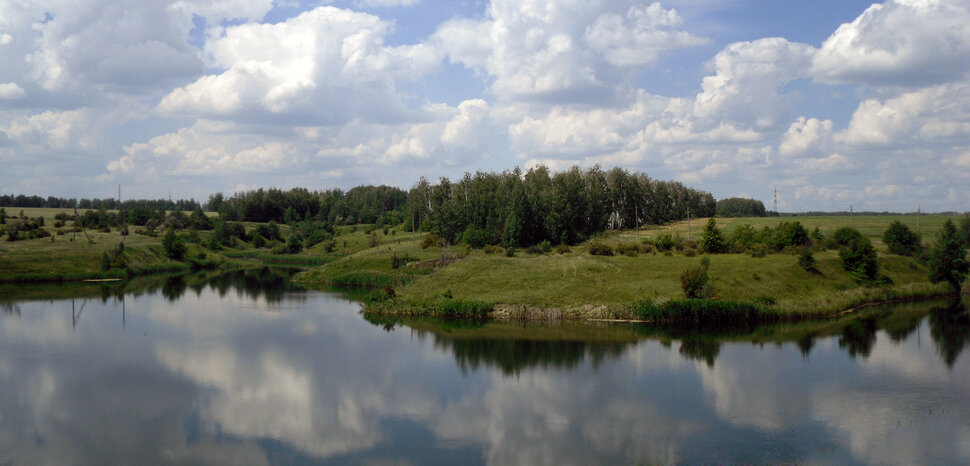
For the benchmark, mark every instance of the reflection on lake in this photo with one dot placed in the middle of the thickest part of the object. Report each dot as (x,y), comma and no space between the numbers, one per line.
(245,368)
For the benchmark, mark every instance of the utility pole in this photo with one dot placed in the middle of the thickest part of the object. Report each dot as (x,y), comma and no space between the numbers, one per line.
(776,200)
(636,213)
(688,224)
(917,218)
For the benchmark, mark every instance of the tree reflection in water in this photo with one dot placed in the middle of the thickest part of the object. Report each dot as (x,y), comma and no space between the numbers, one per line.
(950,330)
(474,347)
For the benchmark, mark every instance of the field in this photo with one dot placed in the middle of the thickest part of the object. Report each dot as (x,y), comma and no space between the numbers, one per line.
(578,280)
(571,281)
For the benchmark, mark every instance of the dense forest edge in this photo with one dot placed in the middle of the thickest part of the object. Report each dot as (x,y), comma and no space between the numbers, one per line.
(579,244)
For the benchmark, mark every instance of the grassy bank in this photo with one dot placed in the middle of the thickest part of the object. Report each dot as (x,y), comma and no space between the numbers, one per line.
(644,286)
(73,256)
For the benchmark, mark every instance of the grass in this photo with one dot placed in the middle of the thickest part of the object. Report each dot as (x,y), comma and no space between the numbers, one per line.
(579,284)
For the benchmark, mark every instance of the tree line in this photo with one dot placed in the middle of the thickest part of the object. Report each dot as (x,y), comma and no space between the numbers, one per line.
(513,208)
(20,200)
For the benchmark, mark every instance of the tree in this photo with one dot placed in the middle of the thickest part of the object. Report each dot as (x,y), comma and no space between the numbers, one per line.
(964,229)
(711,239)
(948,258)
(859,258)
(174,246)
(900,239)
(695,281)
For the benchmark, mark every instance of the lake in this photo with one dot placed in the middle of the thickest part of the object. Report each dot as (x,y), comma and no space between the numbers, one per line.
(246,368)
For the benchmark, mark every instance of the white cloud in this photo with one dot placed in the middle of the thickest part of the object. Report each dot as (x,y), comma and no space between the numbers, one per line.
(936,114)
(909,43)
(11,91)
(384,3)
(562,51)
(806,136)
(744,89)
(325,66)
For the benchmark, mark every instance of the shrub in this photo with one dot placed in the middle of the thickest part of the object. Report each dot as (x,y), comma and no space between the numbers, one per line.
(510,251)
(173,245)
(400,261)
(807,261)
(475,236)
(563,249)
(664,242)
(695,281)
(817,235)
(712,241)
(534,249)
(646,248)
(294,243)
(430,240)
(859,258)
(789,234)
(546,246)
(492,249)
(627,249)
(600,249)
(745,236)
(900,239)
(843,236)
(258,240)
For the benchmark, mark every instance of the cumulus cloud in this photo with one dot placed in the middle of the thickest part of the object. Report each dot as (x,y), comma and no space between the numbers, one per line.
(562,51)
(325,66)
(748,75)
(899,42)
(806,136)
(936,114)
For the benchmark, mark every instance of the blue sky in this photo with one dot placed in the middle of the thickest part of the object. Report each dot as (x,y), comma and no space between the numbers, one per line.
(832,102)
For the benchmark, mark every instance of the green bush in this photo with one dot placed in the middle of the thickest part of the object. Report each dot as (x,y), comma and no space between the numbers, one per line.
(948,258)
(475,236)
(843,236)
(546,246)
(400,261)
(859,258)
(789,234)
(695,281)
(627,249)
(700,311)
(173,245)
(534,249)
(563,249)
(807,261)
(900,239)
(431,240)
(600,249)
(664,242)
(492,249)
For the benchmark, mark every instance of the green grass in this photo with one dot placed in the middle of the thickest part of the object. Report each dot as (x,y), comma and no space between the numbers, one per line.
(579,284)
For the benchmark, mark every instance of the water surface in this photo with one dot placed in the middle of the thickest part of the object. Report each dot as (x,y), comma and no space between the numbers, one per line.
(245,368)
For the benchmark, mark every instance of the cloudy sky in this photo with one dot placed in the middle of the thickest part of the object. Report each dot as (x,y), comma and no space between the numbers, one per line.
(834,102)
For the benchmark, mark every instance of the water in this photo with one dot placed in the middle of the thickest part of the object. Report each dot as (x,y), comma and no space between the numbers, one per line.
(245,368)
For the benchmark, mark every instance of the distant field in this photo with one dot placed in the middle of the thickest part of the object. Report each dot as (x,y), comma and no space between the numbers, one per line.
(871,226)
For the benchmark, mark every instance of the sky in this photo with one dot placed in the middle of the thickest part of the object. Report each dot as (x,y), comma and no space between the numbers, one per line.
(831,102)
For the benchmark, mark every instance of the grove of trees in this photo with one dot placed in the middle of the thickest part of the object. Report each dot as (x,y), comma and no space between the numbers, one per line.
(516,208)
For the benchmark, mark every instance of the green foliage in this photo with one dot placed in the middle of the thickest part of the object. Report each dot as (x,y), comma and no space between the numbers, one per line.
(431,240)
(817,235)
(270,231)
(900,239)
(789,234)
(600,249)
(700,311)
(948,258)
(807,261)
(843,236)
(173,245)
(199,220)
(475,236)
(402,260)
(712,241)
(859,258)
(546,246)
(258,240)
(695,281)
(493,249)
(964,230)
(627,249)
(294,244)
(664,242)
(534,249)
(563,249)
(510,251)
(740,207)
